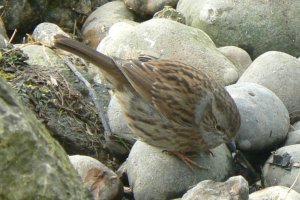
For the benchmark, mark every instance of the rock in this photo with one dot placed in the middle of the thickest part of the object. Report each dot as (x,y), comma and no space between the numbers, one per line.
(3,35)
(148,7)
(44,33)
(293,138)
(3,29)
(24,15)
(33,165)
(79,134)
(275,192)
(169,39)
(264,118)
(96,26)
(279,72)
(234,188)
(118,122)
(3,41)
(98,3)
(296,126)
(282,168)
(120,130)
(239,57)
(101,181)
(170,13)
(247,24)
(68,14)
(154,174)
(37,54)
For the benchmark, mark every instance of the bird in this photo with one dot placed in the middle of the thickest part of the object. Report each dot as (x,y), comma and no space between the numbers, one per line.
(167,103)
(102,184)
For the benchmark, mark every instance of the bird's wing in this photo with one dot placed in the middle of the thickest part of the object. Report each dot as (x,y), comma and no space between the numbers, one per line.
(140,75)
(181,92)
(176,90)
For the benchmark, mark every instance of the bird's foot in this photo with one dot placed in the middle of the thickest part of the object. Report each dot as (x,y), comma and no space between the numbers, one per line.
(188,161)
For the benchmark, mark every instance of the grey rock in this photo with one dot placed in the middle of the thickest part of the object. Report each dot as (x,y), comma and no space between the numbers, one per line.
(239,57)
(165,38)
(170,13)
(71,131)
(154,174)
(3,35)
(101,181)
(44,33)
(293,138)
(33,165)
(97,25)
(279,72)
(275,192)
(3,41)
(3,29)
(235,188)
(98,3)
(247,24)
(24,15)
(264,118)
(284,172)
(118,122)
(41,55)
(296,126)
(148,7)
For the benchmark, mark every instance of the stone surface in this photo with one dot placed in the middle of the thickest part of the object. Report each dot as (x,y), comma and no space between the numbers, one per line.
(33,165)
(275,192)
(247,24)
(169,39)
(264,118)
(239,57)
(44,33)
(235,188)
(148,7)
(293,138)
(24,15)
(285,172)
(278,72)
(3,34)
(3,41)
(170,13)
(71,131)
(3,29)
(118,122)
(296,125)
(154,174)
(97,25)
(101,181)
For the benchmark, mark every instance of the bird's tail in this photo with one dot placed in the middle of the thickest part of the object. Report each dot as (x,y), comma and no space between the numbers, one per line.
(105,63)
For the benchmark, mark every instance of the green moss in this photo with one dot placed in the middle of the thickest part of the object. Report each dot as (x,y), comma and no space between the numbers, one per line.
(33,165)
(6,76)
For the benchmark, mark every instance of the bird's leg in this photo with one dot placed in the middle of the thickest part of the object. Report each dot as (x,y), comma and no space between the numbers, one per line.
(188,161)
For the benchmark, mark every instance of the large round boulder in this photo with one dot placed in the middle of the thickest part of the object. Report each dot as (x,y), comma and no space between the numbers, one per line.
(257,26)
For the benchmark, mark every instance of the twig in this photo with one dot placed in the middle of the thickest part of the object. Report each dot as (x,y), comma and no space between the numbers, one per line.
(74,27)
(292,184)
(92,93)
(12,37)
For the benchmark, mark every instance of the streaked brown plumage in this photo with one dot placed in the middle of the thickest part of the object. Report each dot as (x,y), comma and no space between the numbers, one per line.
(168,104)
(102,184)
